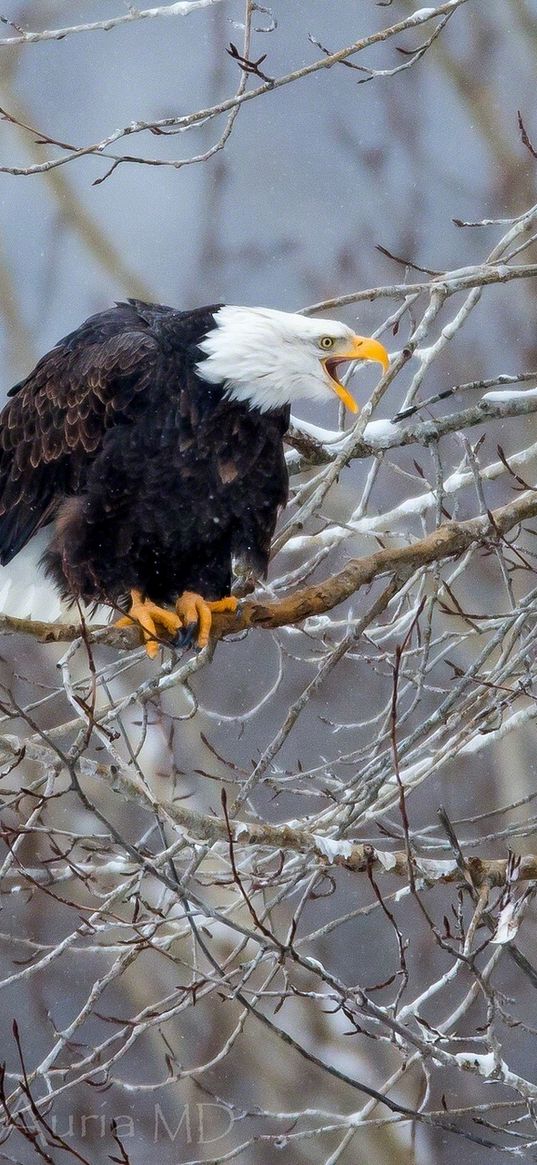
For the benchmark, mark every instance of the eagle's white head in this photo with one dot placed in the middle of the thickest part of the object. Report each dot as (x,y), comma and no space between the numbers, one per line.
(270,358)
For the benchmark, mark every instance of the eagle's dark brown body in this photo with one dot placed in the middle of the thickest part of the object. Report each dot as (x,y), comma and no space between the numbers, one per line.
(152,477)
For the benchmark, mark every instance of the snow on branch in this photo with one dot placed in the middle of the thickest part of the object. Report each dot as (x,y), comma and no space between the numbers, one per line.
(24,36)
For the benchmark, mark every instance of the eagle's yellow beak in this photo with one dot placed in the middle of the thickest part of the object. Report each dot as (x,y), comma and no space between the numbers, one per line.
(360,348)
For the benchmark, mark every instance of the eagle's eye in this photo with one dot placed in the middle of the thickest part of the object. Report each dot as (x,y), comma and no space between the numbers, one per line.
(326,342)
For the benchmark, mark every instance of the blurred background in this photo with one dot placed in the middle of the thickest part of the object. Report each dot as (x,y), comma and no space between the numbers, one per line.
(314,178)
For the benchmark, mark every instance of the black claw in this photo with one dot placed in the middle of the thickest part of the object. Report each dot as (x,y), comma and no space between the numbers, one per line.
(186,636)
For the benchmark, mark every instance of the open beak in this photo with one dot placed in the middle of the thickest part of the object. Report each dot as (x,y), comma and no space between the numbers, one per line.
(360,348)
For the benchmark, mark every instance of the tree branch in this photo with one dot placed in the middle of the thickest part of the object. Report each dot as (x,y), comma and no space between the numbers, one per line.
(201,116)
(449,540)
(353,855)
(180,8)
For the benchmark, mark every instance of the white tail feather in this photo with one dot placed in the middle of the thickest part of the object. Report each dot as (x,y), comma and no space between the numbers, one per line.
(26,593)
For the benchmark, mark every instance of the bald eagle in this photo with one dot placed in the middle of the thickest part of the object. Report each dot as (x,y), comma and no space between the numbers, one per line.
(147,447)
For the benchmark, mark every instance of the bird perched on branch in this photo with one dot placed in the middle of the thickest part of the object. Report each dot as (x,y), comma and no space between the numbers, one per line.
(145,452)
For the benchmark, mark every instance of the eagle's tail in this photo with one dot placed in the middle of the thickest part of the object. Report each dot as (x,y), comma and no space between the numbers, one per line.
(26,593)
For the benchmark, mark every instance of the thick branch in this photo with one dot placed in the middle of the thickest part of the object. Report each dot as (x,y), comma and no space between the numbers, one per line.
(448,541)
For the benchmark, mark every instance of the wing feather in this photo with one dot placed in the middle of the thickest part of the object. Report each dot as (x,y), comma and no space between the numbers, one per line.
(58,416)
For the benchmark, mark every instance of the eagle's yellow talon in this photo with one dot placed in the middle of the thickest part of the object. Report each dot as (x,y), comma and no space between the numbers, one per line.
(230,603)
(125,621)
(204,624)
(193,614)
(194,611)
(148,616)
(187,607)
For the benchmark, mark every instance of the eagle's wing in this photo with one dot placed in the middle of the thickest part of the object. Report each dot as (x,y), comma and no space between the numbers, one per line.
(55,423)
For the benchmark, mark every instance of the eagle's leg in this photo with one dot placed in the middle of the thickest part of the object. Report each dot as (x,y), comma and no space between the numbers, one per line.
(149,617)
(196,616)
